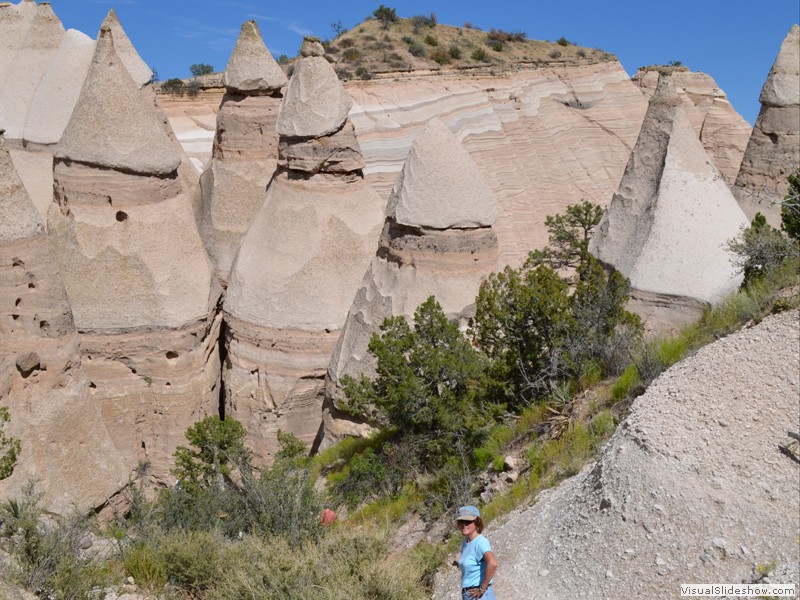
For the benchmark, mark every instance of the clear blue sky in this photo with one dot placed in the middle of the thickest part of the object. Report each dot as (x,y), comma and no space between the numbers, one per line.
(735,41)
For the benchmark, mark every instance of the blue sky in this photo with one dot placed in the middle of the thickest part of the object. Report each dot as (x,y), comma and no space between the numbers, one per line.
(734,41)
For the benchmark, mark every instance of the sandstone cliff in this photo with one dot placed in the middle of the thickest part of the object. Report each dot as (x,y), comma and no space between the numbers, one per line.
(773,151)
(121,213)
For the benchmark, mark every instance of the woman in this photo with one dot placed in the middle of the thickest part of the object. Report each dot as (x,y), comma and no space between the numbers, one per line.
(477,561)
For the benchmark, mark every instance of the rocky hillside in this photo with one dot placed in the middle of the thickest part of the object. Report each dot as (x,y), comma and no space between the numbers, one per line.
(691,488)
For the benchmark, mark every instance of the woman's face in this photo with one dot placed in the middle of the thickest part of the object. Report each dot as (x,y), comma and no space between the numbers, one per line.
(466,527)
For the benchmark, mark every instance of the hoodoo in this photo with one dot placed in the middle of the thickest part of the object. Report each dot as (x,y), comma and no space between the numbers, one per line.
(15,20)
(773,151)
(29,65)
(300,263)
(245,150)
(138,69)
(65,446)
(667,224)
(122,214)
(438,239)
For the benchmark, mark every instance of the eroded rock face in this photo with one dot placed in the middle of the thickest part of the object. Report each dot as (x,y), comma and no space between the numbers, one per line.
(667,225)
(773,151)
(65,446)
(722,131)
(295,276)
(136,67)
(134,266)
(245,148)
(691,487)
(437,240)
(15,20)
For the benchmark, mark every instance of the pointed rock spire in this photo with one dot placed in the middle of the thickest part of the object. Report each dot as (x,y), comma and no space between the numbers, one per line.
(29,65)
(112,125)
(774,146)
(440,185)
(18,217)
(667,225)
(251,67)
(782,87)
(316,103)
(138,69)
(14,25)
(59,89)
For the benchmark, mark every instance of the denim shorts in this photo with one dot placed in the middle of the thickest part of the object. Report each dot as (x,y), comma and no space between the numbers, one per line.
(489,595)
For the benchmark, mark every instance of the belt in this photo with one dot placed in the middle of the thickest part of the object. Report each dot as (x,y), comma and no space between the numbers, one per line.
(474,587)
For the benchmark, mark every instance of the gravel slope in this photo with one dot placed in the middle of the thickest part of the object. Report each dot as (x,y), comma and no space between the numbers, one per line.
(690,489)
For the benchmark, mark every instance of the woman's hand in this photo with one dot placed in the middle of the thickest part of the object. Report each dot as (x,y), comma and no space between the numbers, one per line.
(476,592)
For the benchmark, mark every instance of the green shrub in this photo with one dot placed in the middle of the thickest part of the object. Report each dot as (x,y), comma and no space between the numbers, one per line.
(454,52)
(385,15)
(790,208)
(431,41)
(416,50)
(562,41)
(142,562)
(440,56)
(172,86)
(201,69)
(364,73)
(351,54)
(9,446)
(479,54)
(581,53)
(554,54)
(760,248)
(194,560)
(345,43)
(626,382)
(499,35)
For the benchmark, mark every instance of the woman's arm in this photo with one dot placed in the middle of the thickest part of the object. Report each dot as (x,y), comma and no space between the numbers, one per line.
(491,567)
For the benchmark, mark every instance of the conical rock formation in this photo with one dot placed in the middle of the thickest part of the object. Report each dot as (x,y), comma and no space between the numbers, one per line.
(295,276)
(135,269)
(65,446)
(667,225)
(437,240)
(773,151)
(138,69)
(245,148)
(15,20)
(29,65)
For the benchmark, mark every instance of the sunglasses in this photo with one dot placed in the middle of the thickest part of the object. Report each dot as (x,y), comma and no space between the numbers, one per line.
(464,523)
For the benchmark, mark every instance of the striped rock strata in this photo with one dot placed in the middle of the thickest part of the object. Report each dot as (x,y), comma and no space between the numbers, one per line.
(299,265)
(722,131)
(135,269)
(773,151)
(438,239)
(668,222)
(245,148)
(65,447)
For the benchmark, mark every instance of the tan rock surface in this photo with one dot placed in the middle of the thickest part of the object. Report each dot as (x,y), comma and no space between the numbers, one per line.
(415,262)
(773,151)
(667,225)
(30,63)
(65,446)
(316,102)
(723,131)
(690,489)
(251,68)
(59,89)
(119,222)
